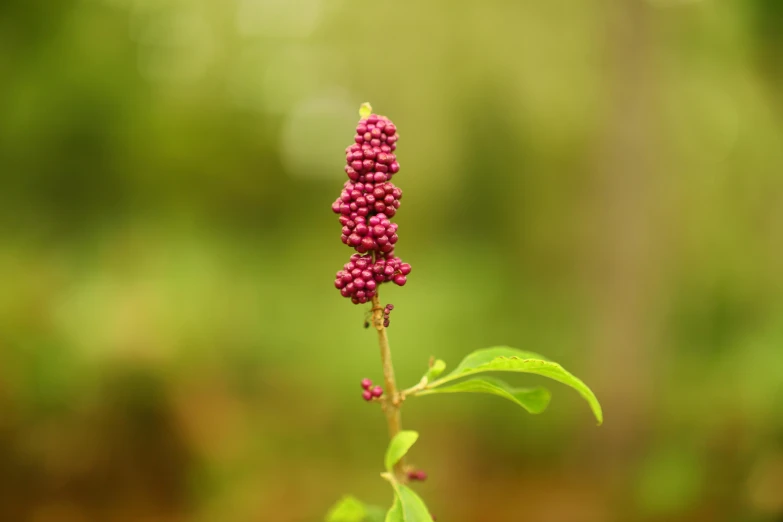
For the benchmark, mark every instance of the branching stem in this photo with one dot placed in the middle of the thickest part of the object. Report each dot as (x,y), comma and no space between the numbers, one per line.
(422,385)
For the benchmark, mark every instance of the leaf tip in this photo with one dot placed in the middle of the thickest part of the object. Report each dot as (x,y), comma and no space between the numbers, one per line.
(365,110)
(598,412)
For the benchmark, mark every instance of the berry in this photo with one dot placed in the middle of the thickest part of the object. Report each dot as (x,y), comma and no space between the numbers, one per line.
(366,383)
(417,475)
(366,203)
(367,395)
(377,391)
(386,314)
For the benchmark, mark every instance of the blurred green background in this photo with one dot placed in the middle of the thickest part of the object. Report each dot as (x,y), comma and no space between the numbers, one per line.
(600,182)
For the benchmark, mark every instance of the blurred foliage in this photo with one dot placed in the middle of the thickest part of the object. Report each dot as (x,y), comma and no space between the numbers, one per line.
(596,181)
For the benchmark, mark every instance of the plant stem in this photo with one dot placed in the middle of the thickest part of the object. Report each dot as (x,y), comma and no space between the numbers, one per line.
(391,401)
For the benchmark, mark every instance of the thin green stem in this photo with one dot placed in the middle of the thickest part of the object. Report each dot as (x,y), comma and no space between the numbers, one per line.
(391,400)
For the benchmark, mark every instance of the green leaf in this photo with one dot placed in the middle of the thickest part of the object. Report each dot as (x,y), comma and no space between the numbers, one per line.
(413,507)
(348,509)
(504,359)
(365,110)
(408,507)
(486,355)
(398,447)
(534,400)
(374,514)
(435,370)
(395,513)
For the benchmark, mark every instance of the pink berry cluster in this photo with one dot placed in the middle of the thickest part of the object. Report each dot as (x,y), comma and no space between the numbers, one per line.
(370,392)
(361,276)
(366,205)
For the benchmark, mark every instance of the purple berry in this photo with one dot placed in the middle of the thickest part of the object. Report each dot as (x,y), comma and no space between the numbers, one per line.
(367,395)
(366,203)
(377,391)
(366,383)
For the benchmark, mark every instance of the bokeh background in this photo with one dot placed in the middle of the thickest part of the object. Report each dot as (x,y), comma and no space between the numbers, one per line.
(600,182)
